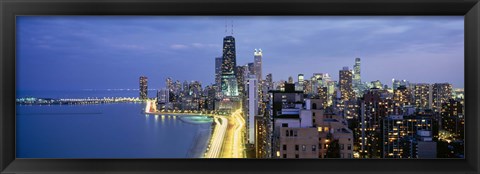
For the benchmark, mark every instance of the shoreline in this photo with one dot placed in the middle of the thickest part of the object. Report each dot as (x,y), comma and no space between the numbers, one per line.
(202,138)
(200,143)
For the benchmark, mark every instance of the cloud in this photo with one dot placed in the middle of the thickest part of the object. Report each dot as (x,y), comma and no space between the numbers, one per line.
(392,30)
(178,46)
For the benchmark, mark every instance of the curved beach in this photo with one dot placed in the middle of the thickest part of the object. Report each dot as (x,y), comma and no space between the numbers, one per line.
(200,142)
(202,137)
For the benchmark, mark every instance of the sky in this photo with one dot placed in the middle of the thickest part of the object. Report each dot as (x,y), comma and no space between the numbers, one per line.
(111,52)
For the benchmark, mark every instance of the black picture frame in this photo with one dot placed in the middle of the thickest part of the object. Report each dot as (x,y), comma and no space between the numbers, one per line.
(11,8)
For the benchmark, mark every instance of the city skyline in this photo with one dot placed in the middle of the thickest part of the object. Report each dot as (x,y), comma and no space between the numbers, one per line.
(50,47)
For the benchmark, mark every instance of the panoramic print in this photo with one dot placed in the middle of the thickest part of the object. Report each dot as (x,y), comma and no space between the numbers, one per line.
(271,87)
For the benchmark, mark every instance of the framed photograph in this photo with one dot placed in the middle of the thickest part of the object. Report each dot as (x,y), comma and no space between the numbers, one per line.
(239,86)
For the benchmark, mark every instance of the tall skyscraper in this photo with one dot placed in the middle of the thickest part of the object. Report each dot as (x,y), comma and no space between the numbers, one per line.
(229,63)
(441,93)
(218,70)
(229,55)
(163,96)
(299,83)
(356,73)
(301,78)
(258,63)
(143,87)
(252,100)
(242,75)
(251,68)
(423,95)
(345,84)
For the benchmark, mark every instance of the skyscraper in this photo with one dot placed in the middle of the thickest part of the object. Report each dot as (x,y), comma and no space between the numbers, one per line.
(441,93)
(423,95)
(301,78)
(356,73)
(143,87)
(251,68)
(229,55)
(242,75)
(258,63)
(300,82)
(229,63)
(218,70)
(252,100)
(345,84)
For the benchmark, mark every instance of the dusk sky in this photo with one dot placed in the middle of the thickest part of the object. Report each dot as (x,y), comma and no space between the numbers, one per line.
(102,52)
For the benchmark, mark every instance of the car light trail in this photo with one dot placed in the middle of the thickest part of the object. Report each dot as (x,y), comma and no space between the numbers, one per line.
(217,137)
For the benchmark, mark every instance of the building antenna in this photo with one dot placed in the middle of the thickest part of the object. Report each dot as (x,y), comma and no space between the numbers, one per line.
(232,27)
(225,25)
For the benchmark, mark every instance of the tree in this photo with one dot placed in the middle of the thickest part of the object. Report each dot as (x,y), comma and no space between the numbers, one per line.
(333,149)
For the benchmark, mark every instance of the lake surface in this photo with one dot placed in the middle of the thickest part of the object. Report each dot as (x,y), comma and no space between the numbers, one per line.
(102,131)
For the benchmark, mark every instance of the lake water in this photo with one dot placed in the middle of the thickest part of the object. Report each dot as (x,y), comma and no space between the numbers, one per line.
(102,131)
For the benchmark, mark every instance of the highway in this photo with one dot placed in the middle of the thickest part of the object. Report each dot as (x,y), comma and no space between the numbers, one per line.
(216,142)
(238,136)
(228,137)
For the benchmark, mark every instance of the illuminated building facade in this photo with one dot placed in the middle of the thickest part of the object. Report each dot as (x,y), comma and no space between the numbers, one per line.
(301,78)
(356,73)
(306,131)
(163,96)
(242,75)
(374,107)
(257,56)
(453,119)
(402,134)
(345,84)
(423,95)
(377,84)
(229,63)
(441,93)
(251,87)
(261,137)
(402,96)
(218,70)
(143,87)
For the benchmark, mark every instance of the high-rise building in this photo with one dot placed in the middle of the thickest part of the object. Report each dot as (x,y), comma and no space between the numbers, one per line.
(356,73)
(269,80)
(374,107)
(163,96)
(258,64)
(423,95)
(229,60)
(290,80)
(218,70)
(406,136)
(242,75)
(261,137)
(402,96)
(441,93)
(452,118)
(377,84)
(300,82)
(345,84)
(301,78)
(143,87)
(229,81)
(251,68)
(252,100)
